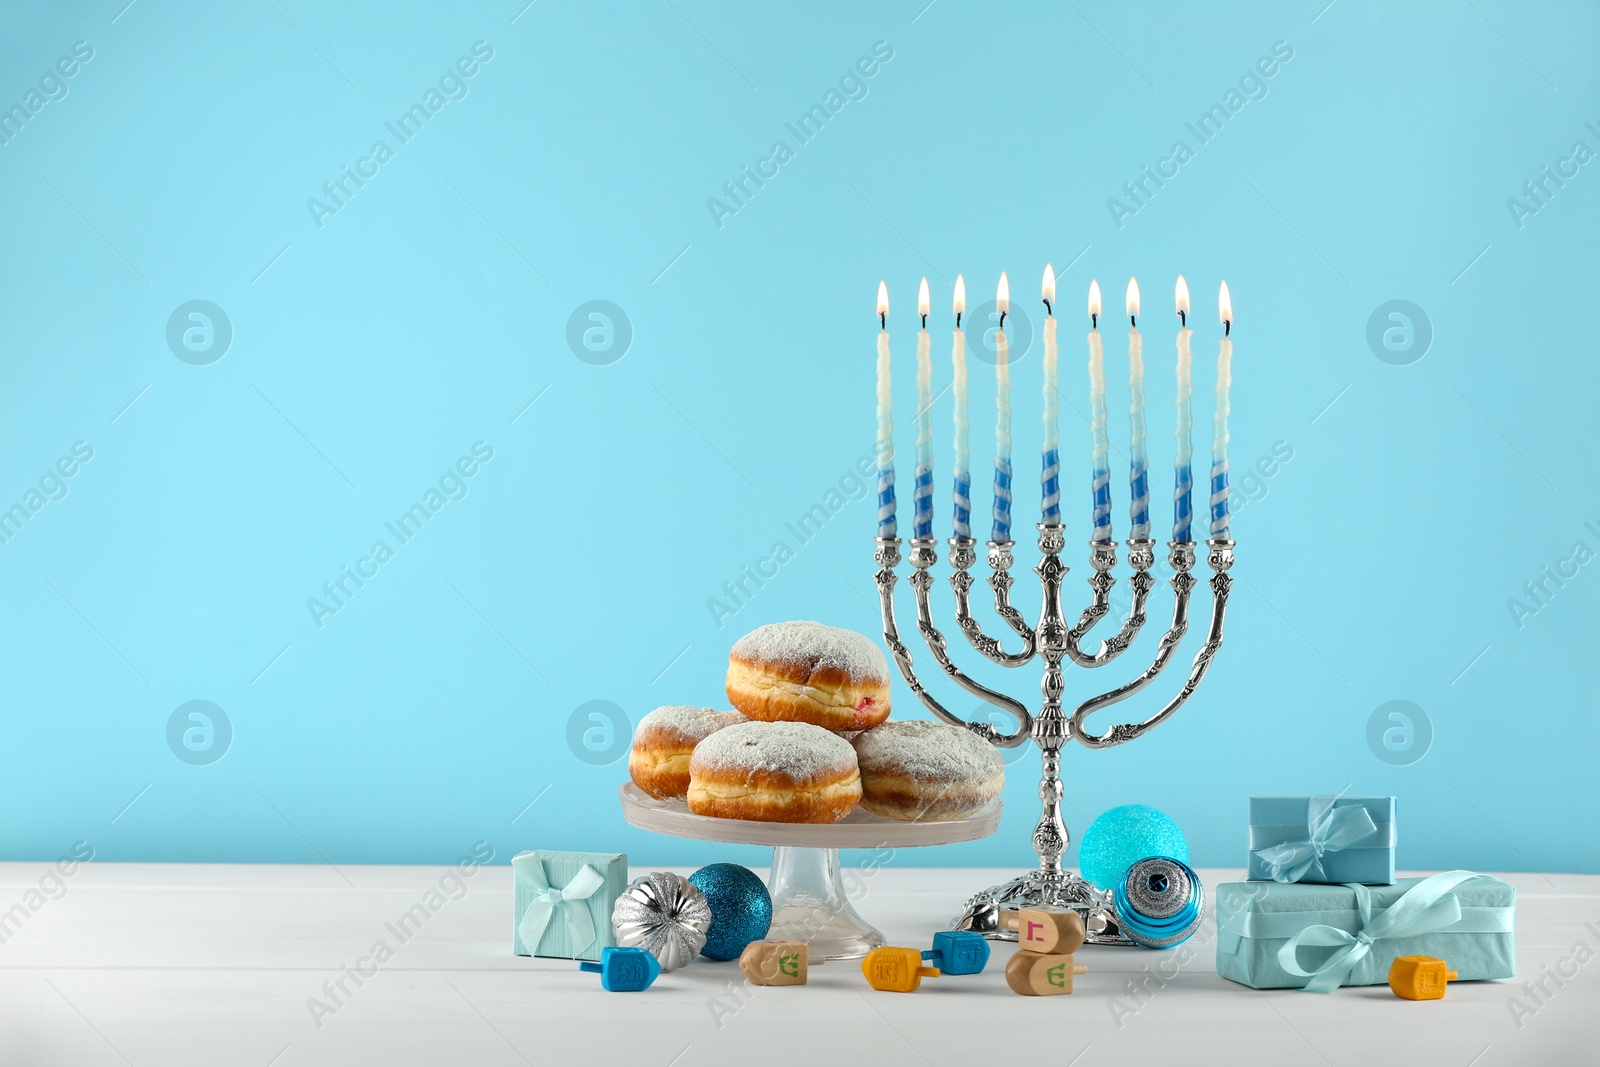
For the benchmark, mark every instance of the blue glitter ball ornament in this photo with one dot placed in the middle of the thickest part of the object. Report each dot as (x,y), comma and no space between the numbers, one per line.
(1123,836)
(741,908)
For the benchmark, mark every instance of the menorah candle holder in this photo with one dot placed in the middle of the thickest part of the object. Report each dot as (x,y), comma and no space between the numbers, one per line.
(1053,640)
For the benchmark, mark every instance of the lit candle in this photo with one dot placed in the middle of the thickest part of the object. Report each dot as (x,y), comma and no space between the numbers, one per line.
(1219,427)
(962,475)
(1183,467)
(1002,422)
(1138,451)
(922,490)
(886,521)
(1100,457)
(1050,476)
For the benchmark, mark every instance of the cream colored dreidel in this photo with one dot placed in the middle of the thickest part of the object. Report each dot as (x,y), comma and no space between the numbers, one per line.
(1036,974)
(776,962)
(1045,929)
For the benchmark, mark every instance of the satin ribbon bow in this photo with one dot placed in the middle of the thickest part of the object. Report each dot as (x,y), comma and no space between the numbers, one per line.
(1427,906)
(1328,829)
(570,900)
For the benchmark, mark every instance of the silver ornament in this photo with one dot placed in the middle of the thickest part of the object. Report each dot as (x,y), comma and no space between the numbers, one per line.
(665,915)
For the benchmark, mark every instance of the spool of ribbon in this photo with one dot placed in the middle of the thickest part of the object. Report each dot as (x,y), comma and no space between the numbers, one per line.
(570,900)
(1429,905)
(1328,829)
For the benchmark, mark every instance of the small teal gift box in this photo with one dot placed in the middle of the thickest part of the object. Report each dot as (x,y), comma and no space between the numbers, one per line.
(1318,937)
(561,902)
(1322,839)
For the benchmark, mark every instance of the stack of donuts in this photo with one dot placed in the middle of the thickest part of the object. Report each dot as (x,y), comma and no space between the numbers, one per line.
(809,740)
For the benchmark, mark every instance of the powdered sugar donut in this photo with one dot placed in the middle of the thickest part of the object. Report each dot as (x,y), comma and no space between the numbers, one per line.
(663,741)
(923,771)
(774,772)
(808,672)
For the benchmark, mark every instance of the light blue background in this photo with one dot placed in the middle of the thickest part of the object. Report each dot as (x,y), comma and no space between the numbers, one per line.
(1376,565)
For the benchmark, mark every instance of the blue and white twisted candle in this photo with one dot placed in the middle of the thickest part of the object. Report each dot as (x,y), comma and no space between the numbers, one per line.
(922,491)
(886,510)
(961,477)
(1138,449)
(1100,455)
(1219,431)
(1002,423)
(1050,454)
(1183,466)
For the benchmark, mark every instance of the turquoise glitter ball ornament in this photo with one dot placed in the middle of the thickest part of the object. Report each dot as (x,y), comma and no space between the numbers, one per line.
(741,908)
(1122,837)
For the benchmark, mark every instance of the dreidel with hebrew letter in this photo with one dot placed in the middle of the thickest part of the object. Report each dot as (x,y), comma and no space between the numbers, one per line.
(1419,977)
(776,962)
(624,970)
(958,952)
(1049,930)
(896,970)
(1047,974)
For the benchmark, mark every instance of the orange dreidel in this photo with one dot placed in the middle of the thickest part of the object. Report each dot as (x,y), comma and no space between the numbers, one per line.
(1049,930)
(776,962)
(1419,977)
(896,970)
(1042,974)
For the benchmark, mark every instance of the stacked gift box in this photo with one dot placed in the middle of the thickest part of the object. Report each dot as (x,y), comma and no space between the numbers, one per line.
(1323,909)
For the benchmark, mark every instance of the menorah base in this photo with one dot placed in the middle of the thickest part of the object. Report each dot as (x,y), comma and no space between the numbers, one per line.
(1043,889)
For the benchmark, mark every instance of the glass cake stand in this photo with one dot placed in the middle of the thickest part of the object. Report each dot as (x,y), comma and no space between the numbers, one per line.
(809,900)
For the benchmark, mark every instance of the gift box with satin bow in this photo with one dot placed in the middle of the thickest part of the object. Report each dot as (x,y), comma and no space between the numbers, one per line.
(1322,839)
(1318,937)
(562,901)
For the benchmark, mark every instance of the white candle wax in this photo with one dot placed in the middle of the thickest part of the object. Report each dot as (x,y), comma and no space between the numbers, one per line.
(1138,450)
(962,475)
(886,509)
(1183,465)
(1002,424)
(1100,454)
(922,493)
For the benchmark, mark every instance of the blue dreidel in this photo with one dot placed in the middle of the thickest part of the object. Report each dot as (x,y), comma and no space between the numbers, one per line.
(958,952)
(624,970)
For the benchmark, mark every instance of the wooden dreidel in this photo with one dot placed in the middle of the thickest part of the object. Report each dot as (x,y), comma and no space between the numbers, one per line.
(624,970)
(776,962)
(958,952)
(1046,929)
(896,970)
(1419,977)
(1035,974)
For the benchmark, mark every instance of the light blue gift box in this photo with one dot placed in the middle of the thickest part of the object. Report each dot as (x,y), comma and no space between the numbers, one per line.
(561,902)
(1272,935)
(1322,839)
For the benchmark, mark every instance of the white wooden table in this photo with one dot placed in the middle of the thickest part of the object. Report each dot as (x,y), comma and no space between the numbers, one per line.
(217,965)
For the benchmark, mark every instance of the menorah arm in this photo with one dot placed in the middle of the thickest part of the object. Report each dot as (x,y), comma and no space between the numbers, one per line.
(887,555)
(1220,558)
(1103,558)
(963,555)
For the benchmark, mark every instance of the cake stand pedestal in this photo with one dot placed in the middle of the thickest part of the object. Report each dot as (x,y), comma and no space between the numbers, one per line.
(809,899)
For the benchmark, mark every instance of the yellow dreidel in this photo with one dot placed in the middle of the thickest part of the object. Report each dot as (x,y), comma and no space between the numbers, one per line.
(1045,929)
(896,970)
(776,962)
(1047,974)
(1419,977)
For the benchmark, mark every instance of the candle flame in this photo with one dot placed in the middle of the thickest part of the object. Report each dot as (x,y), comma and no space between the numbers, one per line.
(1133,296)
(922,298)
(1048,288)
(1094,300)
(1225,305)
(1181,294)
(961,295)
(883,299)
(1002,295)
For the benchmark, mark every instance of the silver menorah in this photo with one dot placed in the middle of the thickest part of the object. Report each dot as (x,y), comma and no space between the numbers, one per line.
(1051,885)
